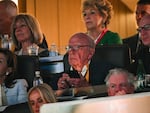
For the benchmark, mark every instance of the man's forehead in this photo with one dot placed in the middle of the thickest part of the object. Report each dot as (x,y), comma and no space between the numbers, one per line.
(79,40)
(143,8)
(145,20)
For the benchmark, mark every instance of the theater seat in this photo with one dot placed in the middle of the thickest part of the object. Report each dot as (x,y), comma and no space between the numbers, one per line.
(26,66)
(18,108)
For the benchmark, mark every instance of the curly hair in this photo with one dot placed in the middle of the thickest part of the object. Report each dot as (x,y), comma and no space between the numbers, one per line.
(103,6)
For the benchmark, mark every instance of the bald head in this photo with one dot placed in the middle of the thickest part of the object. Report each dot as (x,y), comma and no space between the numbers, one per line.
(81,50)
(8,10)
(83,39)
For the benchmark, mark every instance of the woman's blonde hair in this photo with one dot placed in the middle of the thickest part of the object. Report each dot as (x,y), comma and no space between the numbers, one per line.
(104,8)
(45,91)
(33,25)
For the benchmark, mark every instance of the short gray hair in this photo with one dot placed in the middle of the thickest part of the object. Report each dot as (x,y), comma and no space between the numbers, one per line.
(131,77)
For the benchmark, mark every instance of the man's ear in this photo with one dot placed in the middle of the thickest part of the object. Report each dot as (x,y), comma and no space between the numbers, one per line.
(92,51)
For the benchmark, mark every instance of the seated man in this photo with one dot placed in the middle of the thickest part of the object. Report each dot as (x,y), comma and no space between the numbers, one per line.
(144,29)
(80,51)
(119,82)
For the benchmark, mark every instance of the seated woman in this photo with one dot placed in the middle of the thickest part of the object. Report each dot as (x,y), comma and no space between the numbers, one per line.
(14,90)
(26,32)
(39,95)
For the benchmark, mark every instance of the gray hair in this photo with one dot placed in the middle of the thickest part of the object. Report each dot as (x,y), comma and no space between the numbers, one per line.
(131,77)
(83,36)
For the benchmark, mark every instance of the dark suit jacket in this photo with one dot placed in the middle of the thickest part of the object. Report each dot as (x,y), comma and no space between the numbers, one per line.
(142,53)
(18,108)
(97,70)
(132,43)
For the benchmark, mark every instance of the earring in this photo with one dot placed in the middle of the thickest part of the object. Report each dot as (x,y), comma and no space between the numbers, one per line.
(7,73)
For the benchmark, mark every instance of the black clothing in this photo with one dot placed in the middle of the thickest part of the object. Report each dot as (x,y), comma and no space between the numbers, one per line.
(138,51)
(98,70)
(44,43)
(18,108)
(132,43)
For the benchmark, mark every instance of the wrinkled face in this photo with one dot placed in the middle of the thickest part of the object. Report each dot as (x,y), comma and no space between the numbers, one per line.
(141,10)
(92,18)
(5,20)
(3,66)
(117,83)
(79,53)
(22,31)
(36,101)
(144,29)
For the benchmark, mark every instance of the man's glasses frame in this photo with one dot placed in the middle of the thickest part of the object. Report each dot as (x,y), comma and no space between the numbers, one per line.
(145,27)
(76,47)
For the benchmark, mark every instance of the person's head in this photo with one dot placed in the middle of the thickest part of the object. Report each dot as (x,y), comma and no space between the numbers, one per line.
(142,8)
(119,80)
(96,13)
(80,49)
(8,10)
(7,63)
(144,29)
(26,28)
(39,95)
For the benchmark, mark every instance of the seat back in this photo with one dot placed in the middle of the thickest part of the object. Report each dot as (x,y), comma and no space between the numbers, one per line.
(26,66)
(117,55)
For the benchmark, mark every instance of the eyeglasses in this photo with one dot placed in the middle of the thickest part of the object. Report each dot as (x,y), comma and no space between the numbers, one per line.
(145,27)
(121,86)
(75,47)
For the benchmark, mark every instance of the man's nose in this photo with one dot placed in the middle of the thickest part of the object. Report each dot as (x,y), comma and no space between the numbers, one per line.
(118,88)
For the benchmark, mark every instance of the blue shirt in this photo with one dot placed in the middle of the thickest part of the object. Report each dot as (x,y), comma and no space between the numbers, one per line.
(18,93)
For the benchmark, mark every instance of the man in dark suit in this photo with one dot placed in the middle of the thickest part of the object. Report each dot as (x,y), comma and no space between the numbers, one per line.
(18,108)
(144,29)
(80,51)
(143,7)
(82,70)
(134,42)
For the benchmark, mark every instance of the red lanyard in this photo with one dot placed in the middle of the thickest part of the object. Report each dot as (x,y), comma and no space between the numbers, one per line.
(101,36)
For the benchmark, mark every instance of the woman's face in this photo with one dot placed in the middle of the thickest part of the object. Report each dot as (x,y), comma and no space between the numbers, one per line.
(3,66)
(36,101)
(22,31)
(92,18)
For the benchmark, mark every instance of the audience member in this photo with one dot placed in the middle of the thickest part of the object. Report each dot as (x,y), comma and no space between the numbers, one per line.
(144,29)
(142,8)
(96,16)
(39,95)
(15,90)
(8,10)
(119,82)
(80,51)
(26,32)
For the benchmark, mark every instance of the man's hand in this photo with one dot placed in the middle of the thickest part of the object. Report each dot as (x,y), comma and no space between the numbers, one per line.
(66,82)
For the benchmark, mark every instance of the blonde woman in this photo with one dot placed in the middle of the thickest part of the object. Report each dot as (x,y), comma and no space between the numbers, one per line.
(39,95)
(26,32)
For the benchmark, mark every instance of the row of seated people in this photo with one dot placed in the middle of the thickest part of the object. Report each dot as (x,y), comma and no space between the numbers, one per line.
(65,82)
(20,24)
(129,86)
(44,94)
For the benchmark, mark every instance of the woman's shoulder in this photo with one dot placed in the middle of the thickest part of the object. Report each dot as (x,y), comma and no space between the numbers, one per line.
(43,52)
